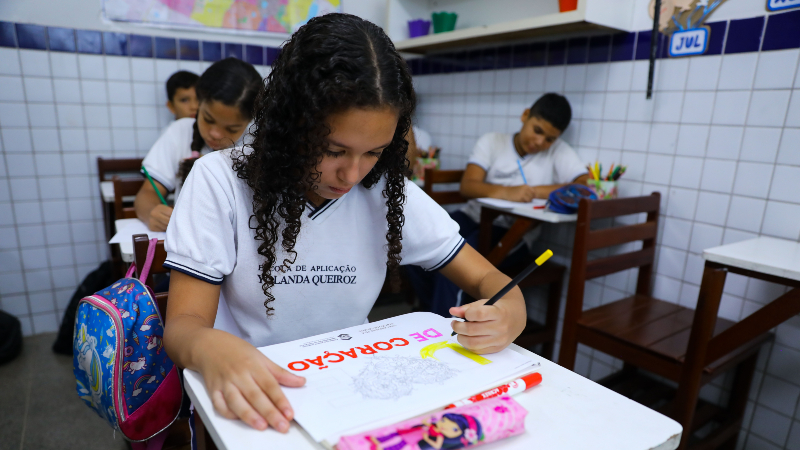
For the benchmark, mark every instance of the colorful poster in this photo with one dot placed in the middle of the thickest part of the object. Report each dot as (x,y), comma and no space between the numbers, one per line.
(277,16)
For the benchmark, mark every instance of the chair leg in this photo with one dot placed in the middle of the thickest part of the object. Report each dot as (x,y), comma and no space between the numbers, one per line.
(551,320)
(739,396)
(569,345)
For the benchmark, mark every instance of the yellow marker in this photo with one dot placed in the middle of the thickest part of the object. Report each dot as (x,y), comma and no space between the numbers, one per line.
(543,257)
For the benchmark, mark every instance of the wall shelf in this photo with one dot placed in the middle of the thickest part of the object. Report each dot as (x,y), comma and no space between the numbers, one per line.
(591,15)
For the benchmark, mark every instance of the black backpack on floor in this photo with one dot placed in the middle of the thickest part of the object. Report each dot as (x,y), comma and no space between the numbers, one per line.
(10,337)
(98,279)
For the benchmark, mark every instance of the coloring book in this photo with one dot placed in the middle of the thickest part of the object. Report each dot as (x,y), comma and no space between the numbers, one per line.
(383,372)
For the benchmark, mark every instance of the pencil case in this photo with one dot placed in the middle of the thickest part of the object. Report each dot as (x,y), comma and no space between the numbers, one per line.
(462,427)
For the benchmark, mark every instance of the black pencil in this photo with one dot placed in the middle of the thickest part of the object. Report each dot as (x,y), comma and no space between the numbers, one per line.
(517,279)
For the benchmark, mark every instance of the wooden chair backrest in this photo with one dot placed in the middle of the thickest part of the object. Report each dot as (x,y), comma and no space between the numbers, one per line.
(125,188)
(109,167)
(586,240)
(140,244)
(433,176)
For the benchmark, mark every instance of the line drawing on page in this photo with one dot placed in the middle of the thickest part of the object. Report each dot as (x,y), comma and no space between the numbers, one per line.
(392,377)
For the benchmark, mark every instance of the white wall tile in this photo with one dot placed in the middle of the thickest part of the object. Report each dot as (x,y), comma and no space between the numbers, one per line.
(637,136)
(46,140)
(616,106)
(44,323)
(776,69)
(13,115)
(96,116)
(48,164)
(121,116)
(746,213)
(753,179)
(673,74)
(671,263)
(712,208)
(554,78)
(144,93)
(73,139)
(668,107)
(676,233)
(640,109)
(94,91)
(593,104)
(64,65)
(793,114)
(666,288)
(663,138)
(120,93)
(686,172)
(782,220)
(698,107)
(788,152)
(485,86)
(536,79)
(145,116)
(737,71)
(38,89)
(770,425)
(51,188)
(596,77)
(703,73)
(612,135)
(590,133)
(724,142)
(760,144)
(11,89)
(730,107)
(10,58)
(42,115)
(99,139)
(768,108)
(636,164)
(67,91)
(619,76)
(640,75)
(34,63)
(69,115)
(681,203)
(718,175)
(785,181)
(118,68)
(692,140)
(16,140)
(92,67)
(575,79)
(123,139)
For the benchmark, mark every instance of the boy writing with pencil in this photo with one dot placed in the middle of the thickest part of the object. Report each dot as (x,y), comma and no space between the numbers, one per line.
(518,167)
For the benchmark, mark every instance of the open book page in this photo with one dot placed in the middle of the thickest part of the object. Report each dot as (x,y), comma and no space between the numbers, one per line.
(384,372)
(505,204)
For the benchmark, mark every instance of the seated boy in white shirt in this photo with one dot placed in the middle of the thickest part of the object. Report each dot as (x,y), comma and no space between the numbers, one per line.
(520,167)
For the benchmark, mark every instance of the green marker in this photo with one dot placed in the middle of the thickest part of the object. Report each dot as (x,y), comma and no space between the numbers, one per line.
(153,183)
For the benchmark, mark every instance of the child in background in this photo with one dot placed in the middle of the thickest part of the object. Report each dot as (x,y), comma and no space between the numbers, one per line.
(181,97)
(518,167)
(292,235)
(226,93)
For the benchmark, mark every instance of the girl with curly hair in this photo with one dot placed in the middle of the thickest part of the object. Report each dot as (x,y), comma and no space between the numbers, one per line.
(291,236)
(226,93)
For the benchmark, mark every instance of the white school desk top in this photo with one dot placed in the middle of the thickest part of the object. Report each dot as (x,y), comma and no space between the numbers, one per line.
(545,215)
(565,412)
(126,243)
(778,257)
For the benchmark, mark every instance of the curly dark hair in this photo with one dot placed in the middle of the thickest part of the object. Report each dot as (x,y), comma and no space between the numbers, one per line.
(331,64)
(231,82)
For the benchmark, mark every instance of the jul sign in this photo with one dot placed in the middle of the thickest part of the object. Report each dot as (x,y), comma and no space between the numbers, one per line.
(689,42)
(683,20)
(777,5)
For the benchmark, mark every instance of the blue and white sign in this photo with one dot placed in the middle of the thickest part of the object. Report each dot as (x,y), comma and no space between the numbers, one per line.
(688,42)
(777,5)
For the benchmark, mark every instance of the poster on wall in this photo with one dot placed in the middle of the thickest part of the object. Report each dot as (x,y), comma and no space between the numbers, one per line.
(274,16)
(683,20)
(779,5)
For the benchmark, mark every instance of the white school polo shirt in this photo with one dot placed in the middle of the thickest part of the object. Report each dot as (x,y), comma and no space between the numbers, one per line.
(173,146)
(341,253)
(495,153)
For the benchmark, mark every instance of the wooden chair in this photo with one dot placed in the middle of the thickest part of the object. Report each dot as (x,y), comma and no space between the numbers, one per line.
(106,169)
(179,433)
(550,274)
(660,337)
(122,189)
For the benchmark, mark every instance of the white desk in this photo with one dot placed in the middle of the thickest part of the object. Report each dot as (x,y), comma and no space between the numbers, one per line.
(127,228)
(771,256)
(543,215)
(566,411)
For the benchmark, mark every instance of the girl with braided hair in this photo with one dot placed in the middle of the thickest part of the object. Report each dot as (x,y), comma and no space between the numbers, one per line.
(291,235)
(226,93)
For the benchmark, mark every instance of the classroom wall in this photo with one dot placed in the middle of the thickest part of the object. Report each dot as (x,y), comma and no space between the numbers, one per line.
(720,140)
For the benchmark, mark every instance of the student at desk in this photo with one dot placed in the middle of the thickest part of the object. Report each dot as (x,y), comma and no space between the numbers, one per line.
(518,167)
(226,93)
(291,236)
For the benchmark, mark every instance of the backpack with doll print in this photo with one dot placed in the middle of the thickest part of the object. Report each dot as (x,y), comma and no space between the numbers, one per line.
(120,366)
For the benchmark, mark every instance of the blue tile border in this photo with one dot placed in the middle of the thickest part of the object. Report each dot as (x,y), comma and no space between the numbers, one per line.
(622,46)
(556,52)
(231,50)
(783,31)
(577,50)
(31,36)
(212,51)
(188,50)
(272,55)
(141,46)
(115,43)
(166,48)
(717,39)
(89,41)
(61,39)
(254,54)
(599,49)
(8,37)
(744,35)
